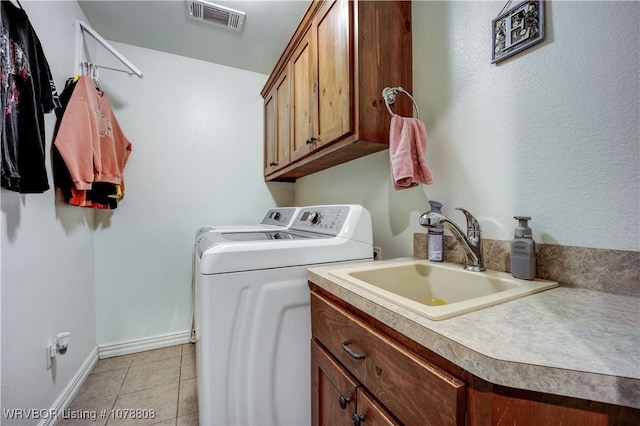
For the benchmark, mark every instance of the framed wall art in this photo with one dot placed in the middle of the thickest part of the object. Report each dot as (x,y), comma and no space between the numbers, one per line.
(517,29)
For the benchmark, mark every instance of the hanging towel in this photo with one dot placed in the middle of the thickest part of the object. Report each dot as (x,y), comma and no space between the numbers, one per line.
(407,147)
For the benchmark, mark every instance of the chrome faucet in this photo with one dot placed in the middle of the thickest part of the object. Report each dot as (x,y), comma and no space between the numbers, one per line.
(471,243)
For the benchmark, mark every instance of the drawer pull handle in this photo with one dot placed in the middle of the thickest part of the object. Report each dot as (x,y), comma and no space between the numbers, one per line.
(357,419)
(352,354)
(343,402)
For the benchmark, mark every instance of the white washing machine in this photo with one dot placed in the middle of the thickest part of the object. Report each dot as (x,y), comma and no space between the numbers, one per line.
(279,218)
(253,318)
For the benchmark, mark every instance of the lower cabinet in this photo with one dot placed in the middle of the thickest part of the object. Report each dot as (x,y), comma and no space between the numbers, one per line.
(375,379)
(338,398)
(365,373)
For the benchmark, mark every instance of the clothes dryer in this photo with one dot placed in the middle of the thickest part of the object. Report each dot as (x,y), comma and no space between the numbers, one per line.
(253,316)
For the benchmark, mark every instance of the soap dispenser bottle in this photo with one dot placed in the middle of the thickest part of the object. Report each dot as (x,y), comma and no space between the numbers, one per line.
(435,240)
(523,250)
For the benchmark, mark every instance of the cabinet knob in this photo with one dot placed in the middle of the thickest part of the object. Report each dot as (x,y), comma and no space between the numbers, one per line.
(343,402)
(357,419)
(273,164)
(311,140)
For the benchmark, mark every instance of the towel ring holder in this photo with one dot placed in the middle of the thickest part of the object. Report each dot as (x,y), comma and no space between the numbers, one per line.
(389,96)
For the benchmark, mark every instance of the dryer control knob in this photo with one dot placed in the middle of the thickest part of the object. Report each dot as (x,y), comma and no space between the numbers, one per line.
(277,215)
(314,217)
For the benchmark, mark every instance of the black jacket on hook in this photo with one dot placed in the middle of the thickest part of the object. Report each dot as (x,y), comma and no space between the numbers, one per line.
(28,91)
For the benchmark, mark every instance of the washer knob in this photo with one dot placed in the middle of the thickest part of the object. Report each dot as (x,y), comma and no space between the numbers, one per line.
(277,215)
(314,217)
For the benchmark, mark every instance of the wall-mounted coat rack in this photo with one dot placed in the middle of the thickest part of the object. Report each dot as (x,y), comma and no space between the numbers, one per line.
(84,28)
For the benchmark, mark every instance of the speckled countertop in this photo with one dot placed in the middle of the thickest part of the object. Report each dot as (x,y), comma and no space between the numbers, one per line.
(566,341)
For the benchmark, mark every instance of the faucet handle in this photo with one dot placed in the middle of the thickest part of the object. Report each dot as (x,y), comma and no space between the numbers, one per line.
(473,226)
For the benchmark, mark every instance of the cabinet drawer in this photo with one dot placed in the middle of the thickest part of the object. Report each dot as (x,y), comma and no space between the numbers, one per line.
(414,390)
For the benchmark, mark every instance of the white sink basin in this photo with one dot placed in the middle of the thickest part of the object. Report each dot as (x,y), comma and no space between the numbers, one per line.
(439,290)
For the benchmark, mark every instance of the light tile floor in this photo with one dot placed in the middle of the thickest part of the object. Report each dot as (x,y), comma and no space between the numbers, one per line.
(161,381)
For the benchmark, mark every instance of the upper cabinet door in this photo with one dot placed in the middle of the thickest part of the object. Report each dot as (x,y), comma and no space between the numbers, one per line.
(304,87)
(334,26)
(270,128)
(277,125)
(283,120)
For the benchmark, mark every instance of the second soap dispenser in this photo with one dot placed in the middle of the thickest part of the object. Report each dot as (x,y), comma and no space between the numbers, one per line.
(523,250)
(435,239)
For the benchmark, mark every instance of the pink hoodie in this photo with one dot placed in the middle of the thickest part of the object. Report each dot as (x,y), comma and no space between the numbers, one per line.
(90,140)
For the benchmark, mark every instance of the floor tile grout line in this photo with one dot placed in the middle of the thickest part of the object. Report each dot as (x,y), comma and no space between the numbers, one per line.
(179,382)
(119,390)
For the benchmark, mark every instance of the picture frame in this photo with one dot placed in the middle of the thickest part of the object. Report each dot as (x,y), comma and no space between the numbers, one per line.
(517,29)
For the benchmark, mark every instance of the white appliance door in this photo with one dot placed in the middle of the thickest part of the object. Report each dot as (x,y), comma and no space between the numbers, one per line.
(254,348)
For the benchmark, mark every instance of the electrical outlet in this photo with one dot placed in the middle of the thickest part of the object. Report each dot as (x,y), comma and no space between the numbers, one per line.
(377,253)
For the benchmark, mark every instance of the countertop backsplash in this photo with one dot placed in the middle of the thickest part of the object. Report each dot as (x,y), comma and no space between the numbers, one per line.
(610,271)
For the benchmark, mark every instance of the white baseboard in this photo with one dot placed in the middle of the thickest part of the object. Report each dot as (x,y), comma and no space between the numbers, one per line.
(72,388)
(134,346)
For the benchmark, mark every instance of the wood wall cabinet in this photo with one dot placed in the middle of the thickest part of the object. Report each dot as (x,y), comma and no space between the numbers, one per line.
(340,58)
(402,382)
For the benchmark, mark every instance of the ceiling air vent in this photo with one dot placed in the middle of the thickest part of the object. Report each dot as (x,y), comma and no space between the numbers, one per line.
(216,14)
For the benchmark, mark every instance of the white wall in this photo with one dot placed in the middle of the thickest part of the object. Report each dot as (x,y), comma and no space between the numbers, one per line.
(196,130)
(47,258)
(552,132)
(122,276)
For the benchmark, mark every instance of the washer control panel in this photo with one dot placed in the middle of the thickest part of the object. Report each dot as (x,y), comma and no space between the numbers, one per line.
(279,216)
(321,219)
